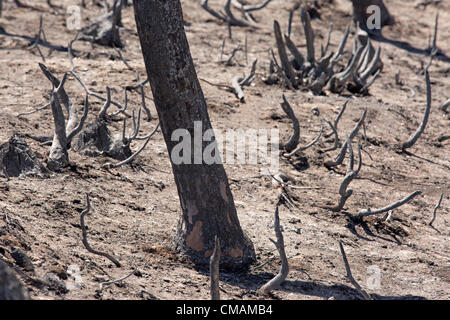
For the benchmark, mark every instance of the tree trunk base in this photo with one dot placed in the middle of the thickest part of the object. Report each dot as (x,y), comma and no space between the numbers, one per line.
(236,255)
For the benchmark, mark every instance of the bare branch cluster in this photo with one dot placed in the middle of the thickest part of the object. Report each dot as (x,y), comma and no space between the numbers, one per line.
(71,130)
(296,70)
(58,156)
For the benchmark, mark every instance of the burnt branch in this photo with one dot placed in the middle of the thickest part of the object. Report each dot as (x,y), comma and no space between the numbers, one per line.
(45,106)
(303,148)
(107,283)
(285,64)
(84,235)
(309,35)
(336,137)
(250,7)
(368,212)
(214,270)
(412,140)
(340,157)
(361,291)
(284,270)
(293,140)
(344,192)
(102,113)
(435,210)
(238,82)
(445,106)
(336,120)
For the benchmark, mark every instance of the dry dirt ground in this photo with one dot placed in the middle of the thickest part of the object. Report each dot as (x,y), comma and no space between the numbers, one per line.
(135,208)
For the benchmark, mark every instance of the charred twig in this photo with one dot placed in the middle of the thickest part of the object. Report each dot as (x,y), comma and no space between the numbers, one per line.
(233,53)
(289,26)
(226,17)
(102,113)
(284,270)
(298,57)
(336,120)
(368,212)
(288,81)
(279,179)
(60,92)
(38,39)
(303,148)
(435,209)
(250,7)
(238,82)
(231,20)
(92,93)
(340,157)
(445,106)
(410,142)
(336,137)
(139,86)
(84,234)
(285,64)
(309,34)
(214,270)
(251,76)
(339,80)
(293,140)
(344,192)
(35,110)
(341,46)
(106,283)
(361,291)
(235,83)
(324,49)
(74,126)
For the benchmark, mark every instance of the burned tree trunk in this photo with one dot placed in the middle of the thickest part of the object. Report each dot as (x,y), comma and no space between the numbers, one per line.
(367,17)
(207,203)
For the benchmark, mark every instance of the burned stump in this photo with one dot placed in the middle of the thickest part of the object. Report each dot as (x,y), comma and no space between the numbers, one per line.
(16,159)
(95,139)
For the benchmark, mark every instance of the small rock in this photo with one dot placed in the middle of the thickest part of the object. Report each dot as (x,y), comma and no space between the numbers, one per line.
(55,282)
(21,258)
(294,220)
(315,110)
(297,230)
